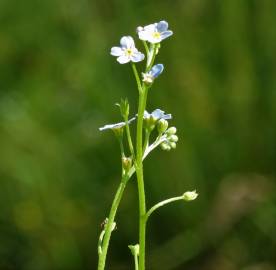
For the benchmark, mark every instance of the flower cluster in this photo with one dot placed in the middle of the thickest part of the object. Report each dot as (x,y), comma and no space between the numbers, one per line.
(170,139)
(151,119)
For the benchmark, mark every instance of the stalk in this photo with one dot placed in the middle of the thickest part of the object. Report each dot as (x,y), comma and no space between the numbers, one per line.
(109,225)
(140,176)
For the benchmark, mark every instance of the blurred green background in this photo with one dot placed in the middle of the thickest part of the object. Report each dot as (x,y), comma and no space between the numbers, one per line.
(58,173)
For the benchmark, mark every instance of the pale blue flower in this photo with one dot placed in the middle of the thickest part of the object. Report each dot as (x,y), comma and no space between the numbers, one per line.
(127,52)
(154,33)
(155,71)
(157,115)
(117,125)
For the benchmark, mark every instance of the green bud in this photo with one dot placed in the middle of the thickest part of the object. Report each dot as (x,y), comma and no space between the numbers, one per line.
(165,146)
(124,107)
(127,163)
(173,138)
(162,126)
(171,131)
(134,249)
(190,195)
(173,145)
(119,131)
(149,123)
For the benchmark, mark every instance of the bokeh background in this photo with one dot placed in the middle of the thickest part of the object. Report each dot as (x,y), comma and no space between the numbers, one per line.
(58,173)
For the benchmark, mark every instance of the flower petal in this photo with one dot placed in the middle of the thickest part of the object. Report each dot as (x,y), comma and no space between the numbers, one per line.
(150,27)
(159,114)
(127,42)
(144,35)
(137,57)
(162,26)
(156,70)
(117,125)
(154,39)
(116,51)
(123,59)
(166,34)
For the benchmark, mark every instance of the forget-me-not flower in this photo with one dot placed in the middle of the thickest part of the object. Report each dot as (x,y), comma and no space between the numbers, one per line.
(127,52)
(157,115)
(155,71)
(117,125)
(154,33)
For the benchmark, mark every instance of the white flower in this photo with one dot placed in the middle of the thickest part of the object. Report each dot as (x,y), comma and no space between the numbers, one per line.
(155,71)
(127,52)
(155,33)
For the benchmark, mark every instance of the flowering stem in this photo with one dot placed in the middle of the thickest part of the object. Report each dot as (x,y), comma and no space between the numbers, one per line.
(140,177)
(156,206)
(109,226)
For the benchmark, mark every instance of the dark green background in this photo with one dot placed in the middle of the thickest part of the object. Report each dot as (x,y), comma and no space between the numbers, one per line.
(58,173)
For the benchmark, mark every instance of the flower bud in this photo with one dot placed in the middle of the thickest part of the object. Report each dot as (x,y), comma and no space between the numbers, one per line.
(127,163)
(165,146)
(134,249)
(119,131)
(173,145)
(190,195)
(162,126)
(149,123)
(124,107)
(171,131)
(173,138)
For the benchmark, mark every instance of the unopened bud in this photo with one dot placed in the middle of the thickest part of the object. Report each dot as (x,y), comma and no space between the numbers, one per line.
(134,249)
(165,146)
(162,126)
(127,163)
(150,123)
(119,131)
(173,138)
(190,195)
(171,131)
(173,145)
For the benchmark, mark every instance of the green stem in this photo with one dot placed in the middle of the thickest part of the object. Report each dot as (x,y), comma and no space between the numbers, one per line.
(146,47)
(146,143)
(140,176)
(131,149)
(138,81)
(100,242)
(152,54)
(109,225)
(136,262)
(155,207)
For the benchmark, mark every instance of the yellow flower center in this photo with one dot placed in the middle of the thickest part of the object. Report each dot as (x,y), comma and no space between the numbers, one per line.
(128,52)
(156,35)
